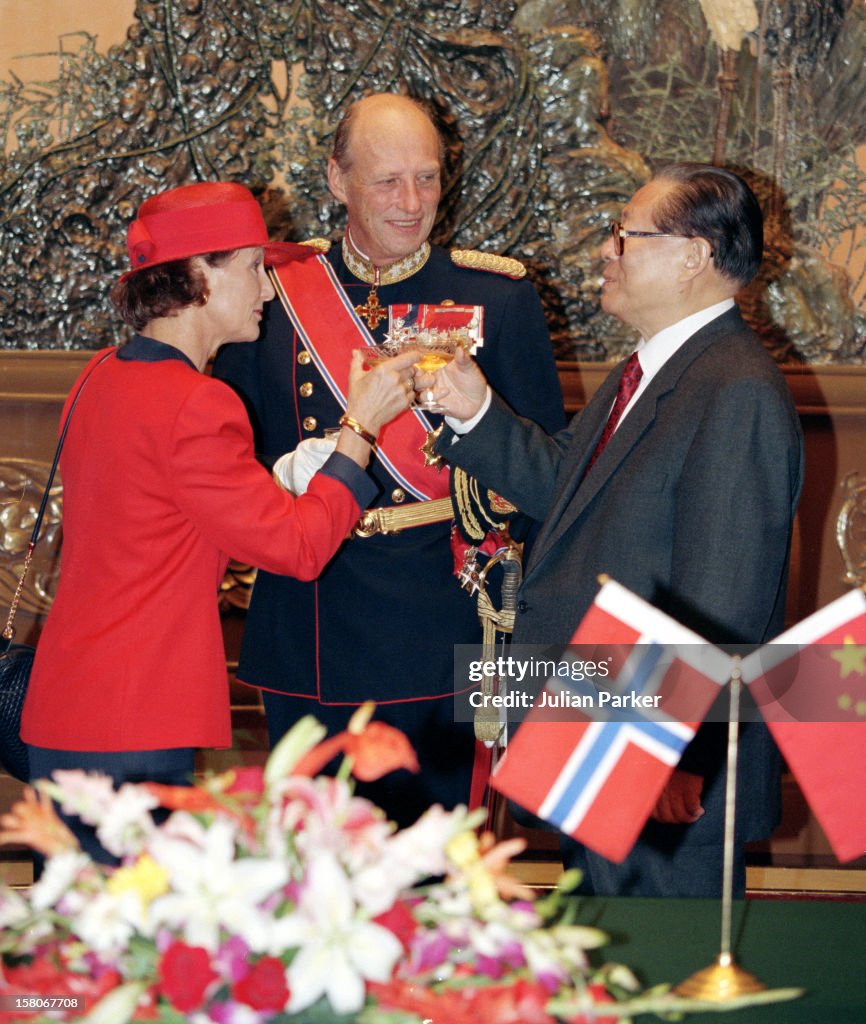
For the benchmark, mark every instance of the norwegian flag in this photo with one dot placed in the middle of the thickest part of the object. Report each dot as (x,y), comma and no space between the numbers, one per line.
(598,780)
(810,686)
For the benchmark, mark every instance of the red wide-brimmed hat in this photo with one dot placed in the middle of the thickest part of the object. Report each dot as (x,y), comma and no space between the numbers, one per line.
(201,218)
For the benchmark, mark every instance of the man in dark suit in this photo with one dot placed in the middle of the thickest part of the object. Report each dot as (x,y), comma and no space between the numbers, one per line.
(689,502)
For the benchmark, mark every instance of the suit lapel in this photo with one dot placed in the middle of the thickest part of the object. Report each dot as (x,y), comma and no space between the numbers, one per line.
(579,491)
(575,493)
(585,437)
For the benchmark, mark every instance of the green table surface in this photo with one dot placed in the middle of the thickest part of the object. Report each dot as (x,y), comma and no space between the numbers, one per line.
(818,945)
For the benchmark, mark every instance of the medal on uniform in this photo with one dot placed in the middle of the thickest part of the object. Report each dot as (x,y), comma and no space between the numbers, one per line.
(428,449)
(371,310)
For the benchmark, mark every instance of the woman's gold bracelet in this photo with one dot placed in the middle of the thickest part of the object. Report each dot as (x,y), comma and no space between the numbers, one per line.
(353,425)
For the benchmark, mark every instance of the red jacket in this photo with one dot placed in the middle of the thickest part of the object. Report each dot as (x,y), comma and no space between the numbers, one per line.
(160,487)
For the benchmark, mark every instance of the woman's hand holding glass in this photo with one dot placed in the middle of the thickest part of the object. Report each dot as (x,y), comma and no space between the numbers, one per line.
(458,388)
(378,391)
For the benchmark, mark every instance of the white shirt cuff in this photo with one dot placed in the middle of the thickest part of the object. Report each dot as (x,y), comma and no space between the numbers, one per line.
(464,426)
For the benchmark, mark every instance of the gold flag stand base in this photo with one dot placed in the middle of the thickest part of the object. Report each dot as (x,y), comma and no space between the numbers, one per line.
(725,979)
(719,982)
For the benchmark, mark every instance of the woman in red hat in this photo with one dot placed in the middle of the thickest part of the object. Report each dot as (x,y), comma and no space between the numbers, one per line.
(161,486)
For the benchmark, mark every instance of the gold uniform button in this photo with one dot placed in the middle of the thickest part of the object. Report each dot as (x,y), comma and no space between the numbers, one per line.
(398,495)
(304,358)
(310,423)
(306,389)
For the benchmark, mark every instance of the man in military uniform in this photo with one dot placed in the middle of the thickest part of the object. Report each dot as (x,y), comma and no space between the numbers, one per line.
(382,620)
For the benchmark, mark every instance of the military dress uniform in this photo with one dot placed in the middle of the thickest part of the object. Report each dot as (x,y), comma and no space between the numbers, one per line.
(381,621)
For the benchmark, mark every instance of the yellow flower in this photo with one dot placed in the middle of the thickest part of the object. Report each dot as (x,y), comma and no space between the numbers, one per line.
(464,853)
(462,849)
(483,890)
(483,864)
(145,877)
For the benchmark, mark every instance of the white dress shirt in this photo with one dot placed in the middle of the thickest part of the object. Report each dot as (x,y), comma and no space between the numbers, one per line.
(652,356)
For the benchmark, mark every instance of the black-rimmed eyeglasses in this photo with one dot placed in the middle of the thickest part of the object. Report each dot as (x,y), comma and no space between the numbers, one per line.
(619,234)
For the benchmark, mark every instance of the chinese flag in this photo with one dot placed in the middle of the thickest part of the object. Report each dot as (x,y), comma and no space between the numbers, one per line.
(810,686)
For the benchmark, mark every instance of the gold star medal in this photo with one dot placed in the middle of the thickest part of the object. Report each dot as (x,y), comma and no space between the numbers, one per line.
(431,458)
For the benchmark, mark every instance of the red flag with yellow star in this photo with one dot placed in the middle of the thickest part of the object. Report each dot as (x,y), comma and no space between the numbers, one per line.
(810,687)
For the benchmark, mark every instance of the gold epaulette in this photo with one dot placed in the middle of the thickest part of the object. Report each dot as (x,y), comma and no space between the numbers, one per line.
(319,244)
(476,260)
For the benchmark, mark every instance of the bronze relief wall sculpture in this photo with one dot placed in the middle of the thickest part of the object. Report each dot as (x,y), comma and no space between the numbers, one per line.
(554,109)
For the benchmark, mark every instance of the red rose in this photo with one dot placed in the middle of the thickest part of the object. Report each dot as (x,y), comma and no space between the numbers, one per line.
(264,988)
(185,974)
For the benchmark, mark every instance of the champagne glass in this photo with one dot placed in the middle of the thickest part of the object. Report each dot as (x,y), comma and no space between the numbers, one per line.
(437,348)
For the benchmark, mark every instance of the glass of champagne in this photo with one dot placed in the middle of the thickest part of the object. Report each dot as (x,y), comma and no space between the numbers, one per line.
(437,347)
(437,350)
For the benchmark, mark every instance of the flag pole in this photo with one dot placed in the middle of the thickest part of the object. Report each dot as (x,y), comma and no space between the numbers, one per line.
(725,979)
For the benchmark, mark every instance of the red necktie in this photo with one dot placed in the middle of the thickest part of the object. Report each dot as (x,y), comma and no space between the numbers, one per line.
(628,383)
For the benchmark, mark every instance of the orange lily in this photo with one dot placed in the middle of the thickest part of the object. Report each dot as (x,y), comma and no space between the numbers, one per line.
(184,798)
(375,748)
(496,858)
(34,822)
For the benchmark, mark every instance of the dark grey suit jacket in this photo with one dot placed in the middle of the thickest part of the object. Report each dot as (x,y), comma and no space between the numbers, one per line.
(690,505)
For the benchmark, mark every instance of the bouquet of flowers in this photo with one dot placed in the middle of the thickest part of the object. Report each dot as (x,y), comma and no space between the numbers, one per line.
(273,895)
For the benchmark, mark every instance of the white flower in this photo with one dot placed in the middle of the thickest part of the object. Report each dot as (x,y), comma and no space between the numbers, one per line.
(338,950)
(377,886)
(322,814)
(561,950)
(212,888)
(105,922)
(407,857)
(127,823)
(88,795)
(61,872)
(420,849)
(14,909)
(184,826)
(121,816)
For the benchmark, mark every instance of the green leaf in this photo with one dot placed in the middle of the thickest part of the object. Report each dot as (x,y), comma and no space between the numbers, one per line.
(321,1012)
(142,958)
